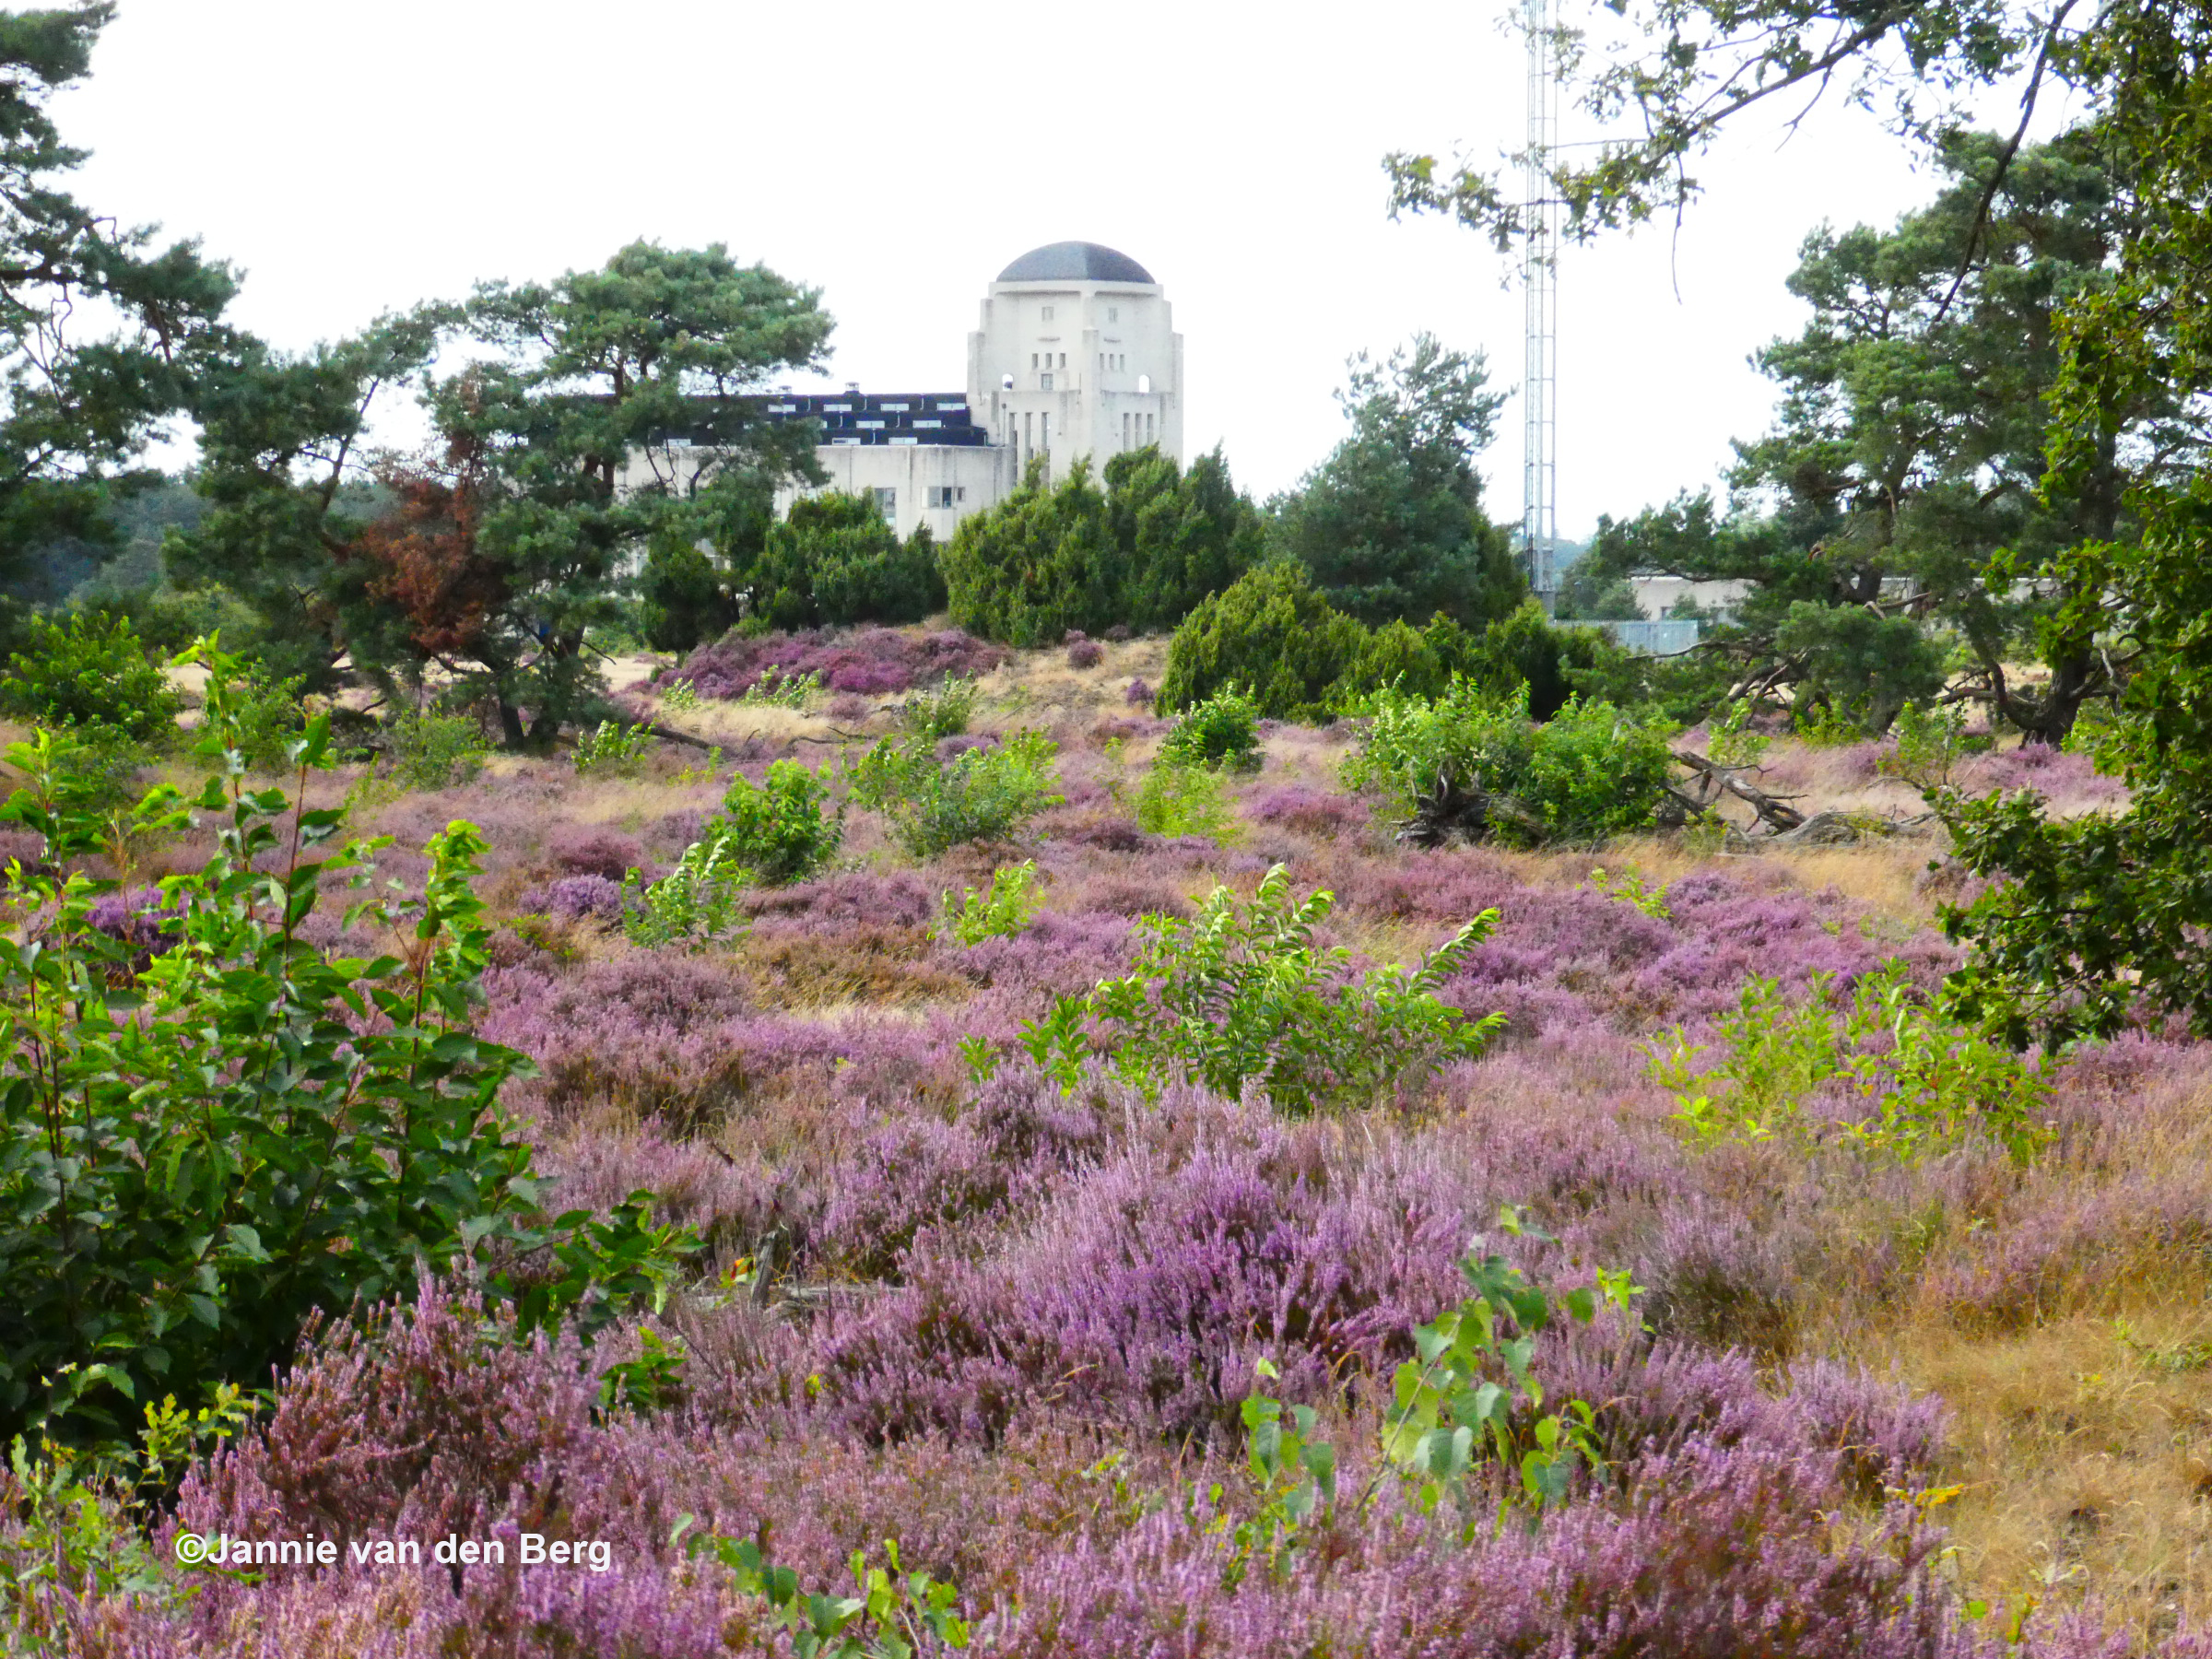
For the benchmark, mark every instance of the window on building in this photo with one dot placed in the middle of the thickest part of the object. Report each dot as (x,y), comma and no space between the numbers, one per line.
(1125,428)
(1064,360)
(1048,313)
(1114,313)
(1032,360)
(1028,436)
(886,503)
(1044,383)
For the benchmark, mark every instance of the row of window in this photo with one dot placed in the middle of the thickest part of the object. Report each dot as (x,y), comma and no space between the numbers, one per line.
(1143,425)
(1047,359)
(1114,313)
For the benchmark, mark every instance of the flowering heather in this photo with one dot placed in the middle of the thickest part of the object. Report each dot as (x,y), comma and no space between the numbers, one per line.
(1010,1319)
(866,661)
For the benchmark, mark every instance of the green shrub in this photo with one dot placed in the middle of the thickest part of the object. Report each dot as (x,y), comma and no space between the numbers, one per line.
(89,672)
(1222,730)
(983,794)
(612,750)
(270,714)
(1554,662)
(836,560)
(1001,912)
(1930,743)
(943,712)
(435,752)
(306,1158)
(697,904)
(1142,551)
(1450,1415)
(1928,1084)
(1730,739)
(1239,994)
(1471,762)
(777,829)
(1179,799)
(1271,633)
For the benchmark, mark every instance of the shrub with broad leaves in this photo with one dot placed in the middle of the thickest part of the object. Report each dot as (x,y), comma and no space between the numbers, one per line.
(197,1153)
(1473,765)
(777,828)
(983,794)
(1240,993)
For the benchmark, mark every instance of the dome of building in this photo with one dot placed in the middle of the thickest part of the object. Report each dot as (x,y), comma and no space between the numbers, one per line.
(1075,262)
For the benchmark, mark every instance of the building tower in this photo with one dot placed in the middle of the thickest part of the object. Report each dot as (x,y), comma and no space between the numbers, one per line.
(1539,290)
(1077,355)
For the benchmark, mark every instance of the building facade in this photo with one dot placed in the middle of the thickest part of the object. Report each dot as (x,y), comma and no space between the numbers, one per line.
(1077,357)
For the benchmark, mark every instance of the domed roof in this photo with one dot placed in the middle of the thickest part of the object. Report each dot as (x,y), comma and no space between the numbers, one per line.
(1075,262)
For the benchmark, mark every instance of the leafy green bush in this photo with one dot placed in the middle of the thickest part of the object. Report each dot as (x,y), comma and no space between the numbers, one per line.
(1002,911)
(777,829)
(836,560)
(697,904)
(1271,633)
(1930,743)
(612,750)
(1928,1084)
(1730,739)
(1240,995)
(435,752)
(1222,730)
(943,712)
(270,714)
(303,1156)
(90,673)
(1181,799)
(1475,763)
(1449,1417)
(983,794)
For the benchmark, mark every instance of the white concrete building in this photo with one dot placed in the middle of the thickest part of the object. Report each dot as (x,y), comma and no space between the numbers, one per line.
(1077,356)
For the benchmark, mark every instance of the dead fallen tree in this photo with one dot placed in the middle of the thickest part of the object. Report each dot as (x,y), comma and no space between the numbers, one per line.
(1712,781)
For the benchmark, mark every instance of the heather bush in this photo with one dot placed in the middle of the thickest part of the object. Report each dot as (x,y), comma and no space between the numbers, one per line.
(1000,911)
(777,830)
(1223,730)
(979,795)
(308,1157)
(868,662)
(1241,993)
(1470,763)
(1084,654)
(595,851)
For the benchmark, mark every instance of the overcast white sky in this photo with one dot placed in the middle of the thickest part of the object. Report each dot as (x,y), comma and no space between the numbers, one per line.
(355,158)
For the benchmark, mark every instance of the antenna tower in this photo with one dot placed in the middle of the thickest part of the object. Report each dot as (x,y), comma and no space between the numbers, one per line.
(1539,289)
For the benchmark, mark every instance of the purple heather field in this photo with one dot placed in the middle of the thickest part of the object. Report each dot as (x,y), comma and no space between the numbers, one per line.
(1010,1325)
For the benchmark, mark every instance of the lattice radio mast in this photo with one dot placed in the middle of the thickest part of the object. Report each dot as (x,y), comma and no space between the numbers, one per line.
(1539,288)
